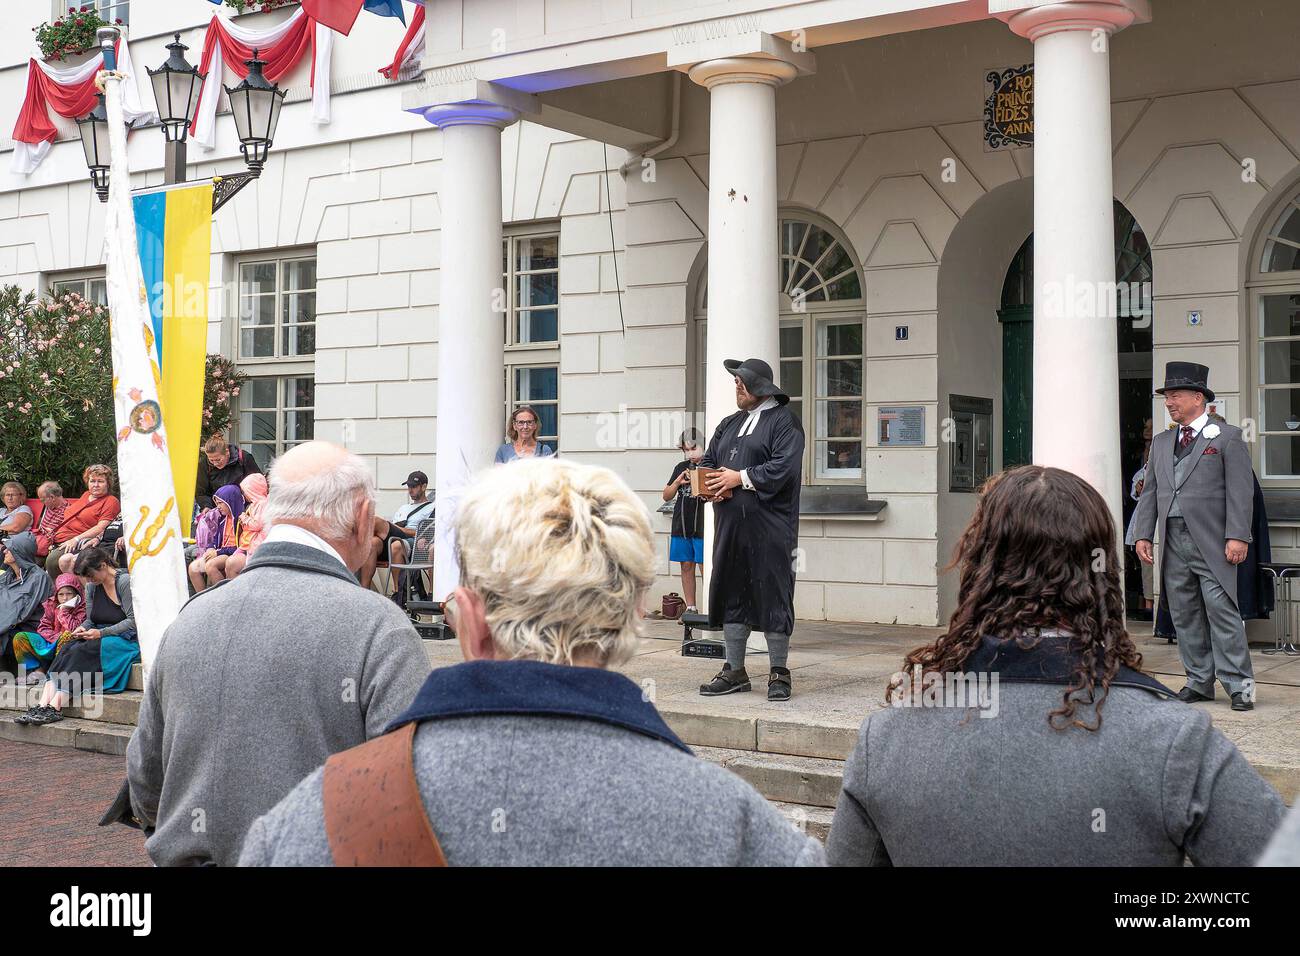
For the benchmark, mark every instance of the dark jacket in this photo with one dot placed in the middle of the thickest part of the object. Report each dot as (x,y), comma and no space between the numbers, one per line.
(239,467)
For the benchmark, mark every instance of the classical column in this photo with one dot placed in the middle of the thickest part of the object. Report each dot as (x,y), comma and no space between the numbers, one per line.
(1076,378)
(744,286)
(471,389)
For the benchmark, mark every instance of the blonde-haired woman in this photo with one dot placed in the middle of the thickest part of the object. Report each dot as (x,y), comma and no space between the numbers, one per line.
(84,521)
(570,761)
(521,432)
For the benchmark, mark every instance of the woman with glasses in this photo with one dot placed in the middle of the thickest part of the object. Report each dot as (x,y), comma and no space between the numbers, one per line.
(522,432)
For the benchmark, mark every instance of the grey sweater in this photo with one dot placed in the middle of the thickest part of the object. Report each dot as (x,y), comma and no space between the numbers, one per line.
(943,786)
(256,682)
(541,790)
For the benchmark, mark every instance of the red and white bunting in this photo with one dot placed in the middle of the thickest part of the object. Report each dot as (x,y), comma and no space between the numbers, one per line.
(410,49)
(70,92)
(227,45)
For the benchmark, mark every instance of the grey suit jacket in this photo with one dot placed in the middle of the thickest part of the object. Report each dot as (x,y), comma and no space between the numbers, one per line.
(1217,496)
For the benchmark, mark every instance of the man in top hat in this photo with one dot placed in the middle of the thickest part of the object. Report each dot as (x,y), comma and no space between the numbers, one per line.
(1199,491)
(759,451)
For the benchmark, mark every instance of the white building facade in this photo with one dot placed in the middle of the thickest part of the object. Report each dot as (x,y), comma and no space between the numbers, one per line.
(589,204)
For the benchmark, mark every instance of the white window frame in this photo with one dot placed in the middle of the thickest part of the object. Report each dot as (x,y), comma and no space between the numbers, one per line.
(1259,285)
(281,412)
(513,400)
(280,258)
(84,277)
(510,238)
(110,10)
(278,367)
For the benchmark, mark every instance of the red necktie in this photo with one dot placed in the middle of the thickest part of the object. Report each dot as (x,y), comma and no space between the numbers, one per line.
(1186,438)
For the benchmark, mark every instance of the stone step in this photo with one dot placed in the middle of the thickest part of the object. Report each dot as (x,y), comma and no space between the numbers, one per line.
(782,779)
(814,821)
(123,708)
(97,736)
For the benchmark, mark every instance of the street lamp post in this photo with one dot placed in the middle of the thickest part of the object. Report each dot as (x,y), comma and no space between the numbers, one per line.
(176,85)
(255,103)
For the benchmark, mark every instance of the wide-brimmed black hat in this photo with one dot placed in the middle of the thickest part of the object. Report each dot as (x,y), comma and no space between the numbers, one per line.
(1187,375)
(757,376)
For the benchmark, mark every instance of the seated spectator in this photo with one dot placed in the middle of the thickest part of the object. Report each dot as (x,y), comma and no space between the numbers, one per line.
(536,730)
(64,613)
(391,537)
(252,527)
(53,507)
(1088,762)
(15,516)
(230,723)
(409,515)
(209,568)
(521,430)
(84,521)
(99,654)
(23,590)
(220,464)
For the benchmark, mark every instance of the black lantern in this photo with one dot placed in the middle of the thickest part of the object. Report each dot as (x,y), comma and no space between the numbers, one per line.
(176,86)
(94,140)
(255,104)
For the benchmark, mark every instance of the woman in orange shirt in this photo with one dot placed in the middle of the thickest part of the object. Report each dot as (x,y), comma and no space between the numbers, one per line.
(84,520)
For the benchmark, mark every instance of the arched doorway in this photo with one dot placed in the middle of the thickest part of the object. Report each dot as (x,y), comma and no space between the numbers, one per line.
(1133,317)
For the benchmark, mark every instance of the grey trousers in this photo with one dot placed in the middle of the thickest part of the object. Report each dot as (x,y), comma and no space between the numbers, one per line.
(1211,634)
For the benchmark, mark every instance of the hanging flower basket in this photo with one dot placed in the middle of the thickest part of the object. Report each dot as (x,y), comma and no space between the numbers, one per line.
(72,33)
(259,6)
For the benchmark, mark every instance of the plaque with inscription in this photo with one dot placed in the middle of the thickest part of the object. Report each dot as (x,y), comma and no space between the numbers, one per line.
(901,425)
(1009,107)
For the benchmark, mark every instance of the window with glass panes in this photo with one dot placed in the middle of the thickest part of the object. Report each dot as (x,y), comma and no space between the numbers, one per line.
(277,308)
(531,274)
(91,288)
(1276,298)
(821,343)
(276,412)
(538,386)
(113,10)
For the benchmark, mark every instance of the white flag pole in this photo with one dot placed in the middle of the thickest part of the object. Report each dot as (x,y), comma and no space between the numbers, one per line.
(150,522)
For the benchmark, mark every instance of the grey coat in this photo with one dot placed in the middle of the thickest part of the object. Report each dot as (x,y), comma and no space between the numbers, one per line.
(511,790)
(945,787)
(256,682)
(1217,496)
(127,624)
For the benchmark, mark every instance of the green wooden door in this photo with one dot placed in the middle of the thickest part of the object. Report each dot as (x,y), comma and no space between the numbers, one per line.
(1017,385)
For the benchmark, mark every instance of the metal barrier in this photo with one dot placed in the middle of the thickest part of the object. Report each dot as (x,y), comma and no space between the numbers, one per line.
(1283,577)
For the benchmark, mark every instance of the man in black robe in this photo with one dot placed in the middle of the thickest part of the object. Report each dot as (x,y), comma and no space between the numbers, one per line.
(759,450)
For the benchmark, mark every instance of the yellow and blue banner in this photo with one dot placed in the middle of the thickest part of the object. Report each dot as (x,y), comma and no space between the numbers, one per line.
(173,227)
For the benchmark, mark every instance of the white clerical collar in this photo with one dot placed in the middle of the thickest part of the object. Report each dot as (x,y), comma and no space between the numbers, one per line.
(294,534)
(752,421)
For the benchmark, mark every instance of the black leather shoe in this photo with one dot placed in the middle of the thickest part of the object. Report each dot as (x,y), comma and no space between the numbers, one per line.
(1189,696)
(727,682)
(1239,702)
(778,684)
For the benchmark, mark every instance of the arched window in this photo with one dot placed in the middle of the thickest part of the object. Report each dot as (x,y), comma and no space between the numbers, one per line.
(1275,305)
(822,320)
(1282,243)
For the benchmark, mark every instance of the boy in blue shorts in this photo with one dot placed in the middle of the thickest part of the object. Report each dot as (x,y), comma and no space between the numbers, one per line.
(687,543)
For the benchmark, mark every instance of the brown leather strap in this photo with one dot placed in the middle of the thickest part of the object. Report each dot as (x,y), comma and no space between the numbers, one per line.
(374,814)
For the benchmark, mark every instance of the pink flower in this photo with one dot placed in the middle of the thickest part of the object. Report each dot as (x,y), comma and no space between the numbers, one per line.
(98,352)
(11,404)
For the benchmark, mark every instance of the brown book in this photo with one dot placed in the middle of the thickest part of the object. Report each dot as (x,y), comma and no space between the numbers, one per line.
(699,489)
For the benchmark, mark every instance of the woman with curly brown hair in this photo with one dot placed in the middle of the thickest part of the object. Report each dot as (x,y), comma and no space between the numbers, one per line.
(1027,734)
